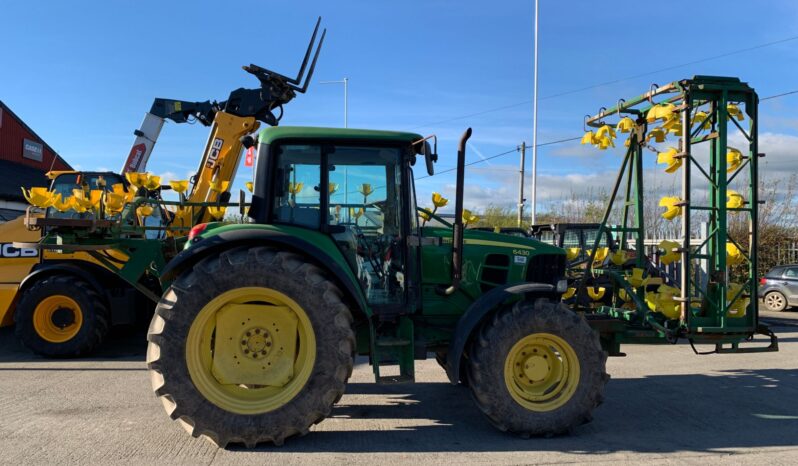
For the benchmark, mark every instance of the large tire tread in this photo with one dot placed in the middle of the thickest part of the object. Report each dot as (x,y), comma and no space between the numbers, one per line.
(251,266)
(96,317)
(488,351)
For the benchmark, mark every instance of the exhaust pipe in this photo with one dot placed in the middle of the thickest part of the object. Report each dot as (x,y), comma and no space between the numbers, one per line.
(457,229)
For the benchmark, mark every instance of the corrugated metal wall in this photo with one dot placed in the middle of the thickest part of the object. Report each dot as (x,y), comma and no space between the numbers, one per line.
(12,133)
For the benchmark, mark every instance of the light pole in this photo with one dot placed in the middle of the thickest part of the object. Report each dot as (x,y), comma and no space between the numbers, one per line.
(535,124)
(345,82)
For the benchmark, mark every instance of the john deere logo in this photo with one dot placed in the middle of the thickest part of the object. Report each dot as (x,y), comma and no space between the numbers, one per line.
(8,250)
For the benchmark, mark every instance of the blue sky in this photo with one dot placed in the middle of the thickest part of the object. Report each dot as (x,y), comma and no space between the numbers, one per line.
(82,74)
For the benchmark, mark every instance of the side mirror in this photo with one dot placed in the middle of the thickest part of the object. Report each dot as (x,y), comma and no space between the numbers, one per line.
(430,157)
(430,152)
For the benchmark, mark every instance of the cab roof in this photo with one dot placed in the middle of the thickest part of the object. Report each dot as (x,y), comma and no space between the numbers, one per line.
(275,133)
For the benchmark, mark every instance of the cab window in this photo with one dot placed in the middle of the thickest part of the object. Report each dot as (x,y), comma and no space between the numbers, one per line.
(365,205)
(297,199)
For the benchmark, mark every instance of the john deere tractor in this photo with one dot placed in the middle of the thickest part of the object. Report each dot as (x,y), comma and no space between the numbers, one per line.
(255,336)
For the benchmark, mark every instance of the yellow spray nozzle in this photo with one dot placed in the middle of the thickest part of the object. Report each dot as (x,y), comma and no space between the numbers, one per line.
(114,202)
(660,112)
(637,278)
(179,186)
(152,183)
(601,254)
(596,293)
(62,205)
(672,207)
(621,256)
(39,197)
(469,217)
(295,188)
(670,252)
(626,125)
(734,158)
(703,119)
(145,210)
(670,158)
(605,131)
(365,189)
(136,179)
(673,125)
(439,201)
(356,213)
(95,196)
(572,253)
(664,302)
(734,112)
(77,204)
(733,254)
(657,134)
(734,200)
(216,212)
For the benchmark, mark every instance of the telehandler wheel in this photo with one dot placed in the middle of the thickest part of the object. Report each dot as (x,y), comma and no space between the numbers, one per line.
(61,316)
(537,369)
(252,345)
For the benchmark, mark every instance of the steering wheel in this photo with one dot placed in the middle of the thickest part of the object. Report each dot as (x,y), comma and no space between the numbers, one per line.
(361,241)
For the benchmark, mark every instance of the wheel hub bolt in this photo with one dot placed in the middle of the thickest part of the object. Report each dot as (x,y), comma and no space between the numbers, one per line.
(256,342)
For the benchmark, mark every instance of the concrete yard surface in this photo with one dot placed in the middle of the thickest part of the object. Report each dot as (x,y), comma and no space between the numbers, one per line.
(663,405)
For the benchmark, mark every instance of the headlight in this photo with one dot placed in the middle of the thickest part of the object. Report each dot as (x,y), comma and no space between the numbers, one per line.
(562,286)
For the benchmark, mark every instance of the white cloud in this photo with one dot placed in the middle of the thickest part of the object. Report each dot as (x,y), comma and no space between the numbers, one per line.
(497,185)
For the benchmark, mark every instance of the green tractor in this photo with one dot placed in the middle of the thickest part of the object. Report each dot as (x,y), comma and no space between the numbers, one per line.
(256,336)
(256,333)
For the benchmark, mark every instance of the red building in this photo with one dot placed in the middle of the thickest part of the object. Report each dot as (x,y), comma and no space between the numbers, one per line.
(24,160)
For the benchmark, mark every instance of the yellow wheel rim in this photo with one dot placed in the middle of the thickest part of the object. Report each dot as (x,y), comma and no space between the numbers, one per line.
(541,372)
(237,357)
(57,318)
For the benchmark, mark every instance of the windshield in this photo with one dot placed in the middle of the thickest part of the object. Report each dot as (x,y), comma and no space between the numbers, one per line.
(65,184)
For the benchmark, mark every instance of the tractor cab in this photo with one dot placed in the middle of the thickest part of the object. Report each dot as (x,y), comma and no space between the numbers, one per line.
(353,185)
(356,186)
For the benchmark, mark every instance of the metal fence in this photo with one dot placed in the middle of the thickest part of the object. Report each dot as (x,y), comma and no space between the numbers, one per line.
(785,253)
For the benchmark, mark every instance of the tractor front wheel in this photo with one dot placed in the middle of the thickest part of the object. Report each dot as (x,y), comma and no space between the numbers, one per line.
(537,369)
(252,345)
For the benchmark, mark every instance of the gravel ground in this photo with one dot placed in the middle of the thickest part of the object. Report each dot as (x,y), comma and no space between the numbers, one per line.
(664,405)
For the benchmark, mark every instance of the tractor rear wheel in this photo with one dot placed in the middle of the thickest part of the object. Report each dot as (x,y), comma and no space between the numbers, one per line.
(61,316)
(252,345)
(537,369)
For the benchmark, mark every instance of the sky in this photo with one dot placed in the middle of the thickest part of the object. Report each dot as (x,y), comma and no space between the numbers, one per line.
(82,74)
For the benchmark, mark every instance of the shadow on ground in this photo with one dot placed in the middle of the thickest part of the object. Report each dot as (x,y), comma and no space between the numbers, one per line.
(657,414)
(122,344)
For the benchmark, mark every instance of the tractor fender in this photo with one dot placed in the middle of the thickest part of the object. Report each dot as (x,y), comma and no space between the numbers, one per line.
(476,313)
(229,239)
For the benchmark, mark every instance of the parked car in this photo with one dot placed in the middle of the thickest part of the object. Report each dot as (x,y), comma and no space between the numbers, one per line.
(779,287)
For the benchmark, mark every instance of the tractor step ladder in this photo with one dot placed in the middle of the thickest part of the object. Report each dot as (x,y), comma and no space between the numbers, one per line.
(394,351)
